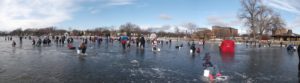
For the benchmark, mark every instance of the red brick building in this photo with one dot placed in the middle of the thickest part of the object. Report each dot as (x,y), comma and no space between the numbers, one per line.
(223,32)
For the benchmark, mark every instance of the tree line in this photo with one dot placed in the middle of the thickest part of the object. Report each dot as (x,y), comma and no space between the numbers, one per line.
(130,28)
(259,18)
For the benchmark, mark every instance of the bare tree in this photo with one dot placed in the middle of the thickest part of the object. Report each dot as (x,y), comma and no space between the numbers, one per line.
(18,32)
(249,12)
(29,31)
(151,29)
(264,20)
(259,18)
(190,26)
(177,30)
(129,28)
(75,32)
(277,23)
(161,33)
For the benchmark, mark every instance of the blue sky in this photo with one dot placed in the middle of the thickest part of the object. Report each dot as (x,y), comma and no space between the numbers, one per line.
(88,14)
(153,12)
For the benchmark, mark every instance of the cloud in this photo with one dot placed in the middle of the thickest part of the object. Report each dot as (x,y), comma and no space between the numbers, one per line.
(165,28)
(165,17)
(291,6)
(223,21)
(227,21)
(295,24)
(34,13)
(120,2)
(161,28)
(213,20)
(101,5)
(43,13)
(93,10)
(286,5)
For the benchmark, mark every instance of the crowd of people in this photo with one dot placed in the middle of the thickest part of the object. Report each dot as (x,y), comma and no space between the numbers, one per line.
(126,42)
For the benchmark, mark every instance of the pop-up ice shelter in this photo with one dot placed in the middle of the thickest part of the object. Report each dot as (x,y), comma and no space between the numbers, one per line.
(227,46)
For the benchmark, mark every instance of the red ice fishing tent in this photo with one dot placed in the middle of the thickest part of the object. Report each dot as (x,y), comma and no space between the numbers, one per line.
(227,46)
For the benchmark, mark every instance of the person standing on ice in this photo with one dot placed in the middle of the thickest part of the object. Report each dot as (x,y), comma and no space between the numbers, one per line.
(142,41)
(33,41)
(154,41)
(13,43)
(154,44)
(299,60)
(124,40)
(193,47)
(137,41)
(82,47)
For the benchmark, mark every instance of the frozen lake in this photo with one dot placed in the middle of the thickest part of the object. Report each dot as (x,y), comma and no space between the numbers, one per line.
(109,63)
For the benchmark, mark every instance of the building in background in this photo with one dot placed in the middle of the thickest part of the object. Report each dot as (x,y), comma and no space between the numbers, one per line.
(280,31)
(284,34)
(224,32)
(202,33)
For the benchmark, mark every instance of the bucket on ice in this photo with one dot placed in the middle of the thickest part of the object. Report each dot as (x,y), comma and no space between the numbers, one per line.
(206,73)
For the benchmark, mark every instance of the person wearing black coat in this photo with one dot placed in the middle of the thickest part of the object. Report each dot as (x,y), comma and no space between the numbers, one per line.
(298,50)
(193,47)
(142,41)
